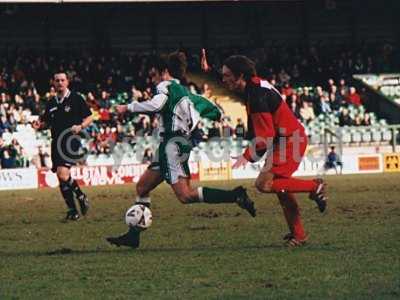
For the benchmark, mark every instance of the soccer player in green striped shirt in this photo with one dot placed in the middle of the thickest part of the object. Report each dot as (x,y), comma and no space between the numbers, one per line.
(179,111)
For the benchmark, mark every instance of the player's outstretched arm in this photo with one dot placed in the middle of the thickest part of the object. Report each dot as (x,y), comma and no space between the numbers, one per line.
(153,105)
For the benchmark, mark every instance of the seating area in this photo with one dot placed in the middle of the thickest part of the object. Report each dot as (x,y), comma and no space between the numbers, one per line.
(107,79)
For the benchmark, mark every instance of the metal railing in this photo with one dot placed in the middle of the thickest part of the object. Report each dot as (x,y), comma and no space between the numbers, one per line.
(340,136)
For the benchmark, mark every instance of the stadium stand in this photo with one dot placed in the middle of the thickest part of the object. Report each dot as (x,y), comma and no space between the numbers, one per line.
(107,49)
(107,80)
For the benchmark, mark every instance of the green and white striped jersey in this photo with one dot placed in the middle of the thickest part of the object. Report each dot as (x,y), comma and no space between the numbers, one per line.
(179,109)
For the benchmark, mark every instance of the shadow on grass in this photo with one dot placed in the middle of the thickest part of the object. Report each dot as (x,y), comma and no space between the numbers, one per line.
(141,251)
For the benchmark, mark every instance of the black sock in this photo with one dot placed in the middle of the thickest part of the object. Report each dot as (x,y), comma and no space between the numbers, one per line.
(133,231)
(75,187)
(211,195)
(143,200)
(68,196)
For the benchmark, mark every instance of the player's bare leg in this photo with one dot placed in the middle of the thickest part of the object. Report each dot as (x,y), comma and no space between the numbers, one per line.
(147,182)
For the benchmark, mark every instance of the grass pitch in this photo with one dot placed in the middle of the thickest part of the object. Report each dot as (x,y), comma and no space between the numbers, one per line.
(202,251)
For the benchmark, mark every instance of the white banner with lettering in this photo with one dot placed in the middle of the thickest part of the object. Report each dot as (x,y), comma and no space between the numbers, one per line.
(18,179)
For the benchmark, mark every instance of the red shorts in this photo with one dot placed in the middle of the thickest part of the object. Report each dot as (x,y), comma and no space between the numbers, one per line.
(286,158)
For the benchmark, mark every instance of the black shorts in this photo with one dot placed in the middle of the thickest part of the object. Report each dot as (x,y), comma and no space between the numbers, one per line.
(65,152)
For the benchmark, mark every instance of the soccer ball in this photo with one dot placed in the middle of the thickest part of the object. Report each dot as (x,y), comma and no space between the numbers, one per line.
(138,216)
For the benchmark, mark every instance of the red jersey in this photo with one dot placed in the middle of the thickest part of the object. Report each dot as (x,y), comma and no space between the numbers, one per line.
(269,117)
(354,99)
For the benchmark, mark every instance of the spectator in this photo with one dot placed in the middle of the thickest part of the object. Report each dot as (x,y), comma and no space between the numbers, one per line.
(143,127)
(227,130)
(342,97)
(296,109)
(92,102)
(307,113)
(214,131)
(43,158)
(334,101)
(333,161)
(120,133)
(353,97)
(7,135)
(345,119)
(334,90)
(357,121)
(29,99)
(154,127)
(366,121)
(8,160)
(206,91)
(343,86)
(306,97)
(137,95)
(7,156)
(198,135)
(325,105)
(147,156)
(295,98)
(2,148)
(331,83)
(104,115)
(287,90)
(318,93)
(38,105)
(111,135)
(4,124)
(193,88)
(240,130)
(92,145)
(104,101)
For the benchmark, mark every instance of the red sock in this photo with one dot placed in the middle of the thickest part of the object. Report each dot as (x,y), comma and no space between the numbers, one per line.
(292,215)
(292,185)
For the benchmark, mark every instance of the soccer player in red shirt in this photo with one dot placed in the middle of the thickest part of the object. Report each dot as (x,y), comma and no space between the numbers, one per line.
(273,129)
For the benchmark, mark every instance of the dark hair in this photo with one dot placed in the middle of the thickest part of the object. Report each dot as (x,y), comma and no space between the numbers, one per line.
(240,64)
(175,63)
(62,72)
(160,63)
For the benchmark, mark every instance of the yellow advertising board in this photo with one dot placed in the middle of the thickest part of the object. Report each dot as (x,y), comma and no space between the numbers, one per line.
(391,162)
(215,170)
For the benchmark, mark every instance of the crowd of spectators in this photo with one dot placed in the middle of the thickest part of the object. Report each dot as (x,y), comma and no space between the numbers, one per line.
(316,80)
(12,155)
(309,103)
(312,80)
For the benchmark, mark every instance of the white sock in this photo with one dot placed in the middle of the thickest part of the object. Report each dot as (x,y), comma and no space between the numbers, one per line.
(200,192)
(143,200)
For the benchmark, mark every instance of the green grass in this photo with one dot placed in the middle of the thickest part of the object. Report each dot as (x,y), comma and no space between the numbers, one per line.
(202,251)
